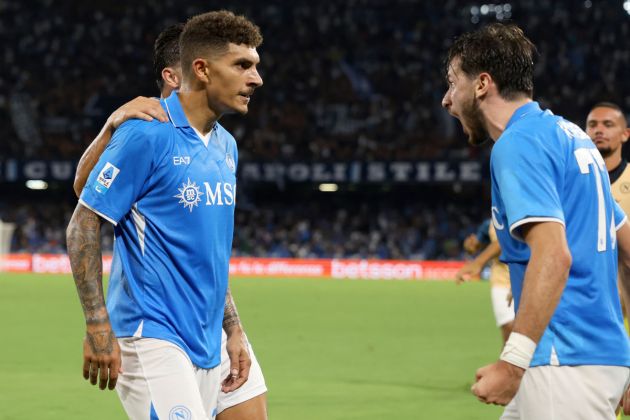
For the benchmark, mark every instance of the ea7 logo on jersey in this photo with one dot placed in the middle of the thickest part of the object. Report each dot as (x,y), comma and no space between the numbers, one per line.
(181,160)
(106,177)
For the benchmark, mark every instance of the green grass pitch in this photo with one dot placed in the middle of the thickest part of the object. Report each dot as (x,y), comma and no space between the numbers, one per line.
(329,349)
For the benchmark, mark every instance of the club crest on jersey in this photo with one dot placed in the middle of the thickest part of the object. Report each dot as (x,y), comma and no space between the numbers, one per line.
(106,177)
(189,195)
(229,161)
(180,412)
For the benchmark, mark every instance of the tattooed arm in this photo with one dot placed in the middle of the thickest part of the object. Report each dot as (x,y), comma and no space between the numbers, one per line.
(100,347)
(237,347)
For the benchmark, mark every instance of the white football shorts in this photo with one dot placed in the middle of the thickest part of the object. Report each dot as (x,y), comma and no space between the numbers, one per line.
(588,392)
(254,386)
(503,312)
(160,382)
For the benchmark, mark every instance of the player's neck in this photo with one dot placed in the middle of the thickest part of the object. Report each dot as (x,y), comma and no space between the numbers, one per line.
(498,112)
(613,161)
(197,110)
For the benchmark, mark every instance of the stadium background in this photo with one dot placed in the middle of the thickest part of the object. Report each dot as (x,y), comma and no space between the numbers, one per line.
(351,103)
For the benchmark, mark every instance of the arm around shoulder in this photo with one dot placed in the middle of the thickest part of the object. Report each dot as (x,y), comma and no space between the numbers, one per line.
(141,108)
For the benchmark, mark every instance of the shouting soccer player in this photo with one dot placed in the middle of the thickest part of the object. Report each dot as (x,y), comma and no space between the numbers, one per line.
(559,229)
(170,190)
(248,402)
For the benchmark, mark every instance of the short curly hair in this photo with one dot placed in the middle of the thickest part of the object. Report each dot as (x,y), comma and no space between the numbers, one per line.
(210,33)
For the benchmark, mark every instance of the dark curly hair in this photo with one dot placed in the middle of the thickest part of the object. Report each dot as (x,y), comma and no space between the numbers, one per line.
(504,52)
(211,32)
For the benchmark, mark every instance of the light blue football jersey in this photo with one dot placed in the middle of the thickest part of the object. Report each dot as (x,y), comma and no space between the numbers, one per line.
(545,168)
(172,200)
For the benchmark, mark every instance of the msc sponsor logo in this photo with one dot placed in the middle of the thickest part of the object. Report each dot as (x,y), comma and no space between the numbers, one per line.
(180,412)
(189,195)
(219,194)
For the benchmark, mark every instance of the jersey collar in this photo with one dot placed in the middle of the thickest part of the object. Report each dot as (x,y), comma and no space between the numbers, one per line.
(528,108)
(175,111)
(616,173)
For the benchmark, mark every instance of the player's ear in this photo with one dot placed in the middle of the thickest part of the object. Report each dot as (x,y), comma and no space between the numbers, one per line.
(201,70)
(171,77)
(482,85)
(626,135)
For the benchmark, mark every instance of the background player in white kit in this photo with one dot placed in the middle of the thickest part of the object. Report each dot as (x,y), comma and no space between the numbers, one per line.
(248,402)
(166,353)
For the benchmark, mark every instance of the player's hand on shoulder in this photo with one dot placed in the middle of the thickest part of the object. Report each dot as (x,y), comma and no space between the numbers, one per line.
(240,360)
(497,383)
(142,108)
(101,356)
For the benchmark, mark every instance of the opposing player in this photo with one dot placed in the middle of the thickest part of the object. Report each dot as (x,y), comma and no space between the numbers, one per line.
(248,402)
(568,354)
(502,305)
(169,188)
(607,126)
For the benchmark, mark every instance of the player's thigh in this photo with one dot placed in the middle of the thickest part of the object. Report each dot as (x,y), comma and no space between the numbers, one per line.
(252,409)
(570,393)
(503,310)
(158,381)
(250,399)
(209,383)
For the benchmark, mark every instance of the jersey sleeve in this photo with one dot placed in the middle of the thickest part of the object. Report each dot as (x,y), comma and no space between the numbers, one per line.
(121,173)
(619,215)
(528,182)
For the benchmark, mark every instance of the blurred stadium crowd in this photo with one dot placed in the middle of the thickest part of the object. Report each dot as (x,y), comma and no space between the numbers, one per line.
(351,80)
(307,230)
